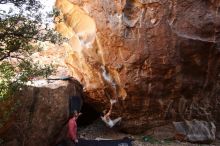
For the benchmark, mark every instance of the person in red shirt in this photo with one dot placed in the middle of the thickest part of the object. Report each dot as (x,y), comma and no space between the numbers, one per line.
(72,127)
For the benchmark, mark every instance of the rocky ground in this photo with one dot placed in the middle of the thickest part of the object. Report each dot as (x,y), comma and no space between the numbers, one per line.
(156,137)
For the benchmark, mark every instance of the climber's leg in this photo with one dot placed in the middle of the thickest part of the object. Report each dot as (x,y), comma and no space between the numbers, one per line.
(112,101)
(115,121)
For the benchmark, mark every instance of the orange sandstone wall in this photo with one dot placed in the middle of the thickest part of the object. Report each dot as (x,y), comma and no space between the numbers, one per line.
(158,58)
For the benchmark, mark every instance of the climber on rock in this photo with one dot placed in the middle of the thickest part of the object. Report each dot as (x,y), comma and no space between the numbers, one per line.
(106,117)
(72,128)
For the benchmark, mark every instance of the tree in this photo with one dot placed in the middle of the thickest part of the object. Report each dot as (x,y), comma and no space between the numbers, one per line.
(29,4)
(19,32)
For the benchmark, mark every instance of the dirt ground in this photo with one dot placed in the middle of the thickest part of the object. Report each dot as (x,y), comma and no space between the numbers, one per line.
(156,137)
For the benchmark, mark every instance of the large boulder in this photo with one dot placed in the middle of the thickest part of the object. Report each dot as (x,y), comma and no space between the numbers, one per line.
(195,131)
(159,58)
(41,115)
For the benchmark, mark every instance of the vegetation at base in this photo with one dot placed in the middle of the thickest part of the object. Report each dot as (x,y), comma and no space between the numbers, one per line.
(152,140)
(19,34)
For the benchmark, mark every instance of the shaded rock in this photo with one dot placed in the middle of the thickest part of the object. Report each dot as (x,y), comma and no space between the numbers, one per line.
(12,143)
(161,132)
(195,131)
(42,113)
(218,132)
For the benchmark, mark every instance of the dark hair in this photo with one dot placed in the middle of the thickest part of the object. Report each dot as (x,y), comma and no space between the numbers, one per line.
(103,113)
(75,113)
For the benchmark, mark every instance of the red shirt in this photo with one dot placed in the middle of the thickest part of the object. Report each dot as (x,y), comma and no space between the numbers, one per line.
(72,129)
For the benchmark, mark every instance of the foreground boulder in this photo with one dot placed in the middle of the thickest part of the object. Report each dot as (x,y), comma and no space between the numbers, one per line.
(159,58)
(195,131)
(42,113)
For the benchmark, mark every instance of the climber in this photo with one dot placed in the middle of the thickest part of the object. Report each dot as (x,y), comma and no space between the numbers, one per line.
(72,128)
(106,118)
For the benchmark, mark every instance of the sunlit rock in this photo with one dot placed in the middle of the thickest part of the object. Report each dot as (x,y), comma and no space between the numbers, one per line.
(81,24)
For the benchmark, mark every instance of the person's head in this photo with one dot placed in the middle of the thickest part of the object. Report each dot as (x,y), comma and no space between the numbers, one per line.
(76,114)
(103,113)
(73,114)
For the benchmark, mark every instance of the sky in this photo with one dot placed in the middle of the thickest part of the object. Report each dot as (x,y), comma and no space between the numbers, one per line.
(47,6)
(48,3)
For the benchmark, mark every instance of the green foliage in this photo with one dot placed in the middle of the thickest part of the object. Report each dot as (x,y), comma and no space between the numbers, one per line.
(6,73)
(13,78)
(151,140)
(18,35)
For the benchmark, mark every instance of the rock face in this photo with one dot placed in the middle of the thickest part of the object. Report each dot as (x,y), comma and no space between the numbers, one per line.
(41,115)
(196,131)
(159,58)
